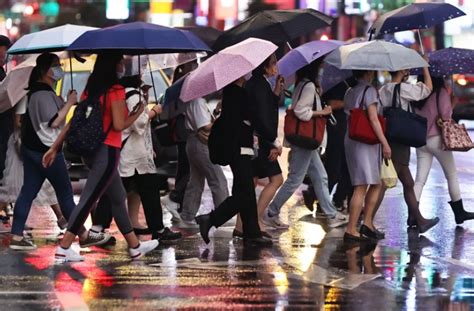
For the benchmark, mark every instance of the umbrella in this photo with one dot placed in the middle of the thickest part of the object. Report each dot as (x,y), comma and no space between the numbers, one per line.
(206,33)
(451,61)
(375,55)
(50,40)
(12,88)
(276,26)
(225,67)
(332,76)
(162,61)
(138,38)
(304,55)
(415,16)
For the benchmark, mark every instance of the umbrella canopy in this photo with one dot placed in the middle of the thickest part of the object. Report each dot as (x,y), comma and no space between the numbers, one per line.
(225,67)
(49,40)
(138,38)
(451,61)
(304,55)
(172,105)
(207,34)
(375,55)
(12,88)
(332,76)
(276,26)
(415,16)
(162,61)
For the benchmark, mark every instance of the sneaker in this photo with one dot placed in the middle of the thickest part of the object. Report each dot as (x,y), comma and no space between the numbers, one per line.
(95,238)
(338,220)
(67,255)
(166,235)
(22,245)
(273,222)
(172,207)
(9,210)
(142,249)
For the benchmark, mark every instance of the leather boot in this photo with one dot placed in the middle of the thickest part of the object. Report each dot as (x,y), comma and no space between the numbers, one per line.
(460,215)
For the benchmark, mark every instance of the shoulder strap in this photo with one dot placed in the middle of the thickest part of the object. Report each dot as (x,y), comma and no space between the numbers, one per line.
(396,92)
(363,96)
(301,92)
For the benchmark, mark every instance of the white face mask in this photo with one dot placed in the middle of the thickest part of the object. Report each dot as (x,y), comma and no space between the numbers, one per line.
(58,73)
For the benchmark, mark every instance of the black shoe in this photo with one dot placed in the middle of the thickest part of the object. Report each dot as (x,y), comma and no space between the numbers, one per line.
(380,234)
(411,221)
(204,222)
(257,242)
(368,233)
(308,200)
(460,215)
(352,238)
(166,235)
(430,223)
(237,234)
(141,231)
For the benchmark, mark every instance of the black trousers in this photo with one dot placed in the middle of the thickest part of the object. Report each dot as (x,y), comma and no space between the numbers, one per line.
(242,201)
(182,175)
(6,129)
(147,187)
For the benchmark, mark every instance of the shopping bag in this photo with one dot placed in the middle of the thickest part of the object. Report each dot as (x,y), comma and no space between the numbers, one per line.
(388,174)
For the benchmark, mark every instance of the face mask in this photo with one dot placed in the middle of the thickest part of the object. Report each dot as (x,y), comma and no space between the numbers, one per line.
(58,73)
(121,74)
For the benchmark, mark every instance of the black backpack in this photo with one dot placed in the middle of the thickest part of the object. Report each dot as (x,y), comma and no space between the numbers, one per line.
(86,132)
(221,142)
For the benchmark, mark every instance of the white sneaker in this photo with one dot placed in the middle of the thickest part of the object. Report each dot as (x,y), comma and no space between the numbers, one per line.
(338,220)
(142,249)
(274,222)
(172,207)
(67,255)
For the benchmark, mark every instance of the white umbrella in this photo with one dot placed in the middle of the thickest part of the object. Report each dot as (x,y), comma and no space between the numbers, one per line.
(162,61)
(375,55)
(49,40)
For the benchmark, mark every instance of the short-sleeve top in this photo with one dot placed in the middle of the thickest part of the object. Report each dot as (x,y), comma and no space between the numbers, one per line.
(353,97)
(198,114)
(115,93)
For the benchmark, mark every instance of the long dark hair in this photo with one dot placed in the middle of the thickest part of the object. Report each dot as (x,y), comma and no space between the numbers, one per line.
(309,72)
(260,70)
(43,63)
(104,75)
(438,85)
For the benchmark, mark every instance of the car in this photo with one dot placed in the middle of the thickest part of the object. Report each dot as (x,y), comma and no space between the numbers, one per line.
(463,88)
(80,74)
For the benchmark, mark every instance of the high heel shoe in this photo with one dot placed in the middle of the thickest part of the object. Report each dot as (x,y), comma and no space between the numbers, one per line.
(430,223)
(369,233)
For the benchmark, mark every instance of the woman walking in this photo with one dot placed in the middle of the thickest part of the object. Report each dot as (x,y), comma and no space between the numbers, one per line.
(438,106)
(302,160)
(363,160)
(103,175)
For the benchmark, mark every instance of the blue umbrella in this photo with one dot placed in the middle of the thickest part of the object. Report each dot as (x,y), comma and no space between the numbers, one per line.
(332,76)
(172,105)
(446,62)
(414,16)
(304,55)
(138,38)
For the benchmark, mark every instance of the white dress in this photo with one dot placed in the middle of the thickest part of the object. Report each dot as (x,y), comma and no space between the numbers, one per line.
(13,173)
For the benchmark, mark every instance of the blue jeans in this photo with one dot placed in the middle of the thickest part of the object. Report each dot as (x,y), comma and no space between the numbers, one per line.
(302,162)
(34,177)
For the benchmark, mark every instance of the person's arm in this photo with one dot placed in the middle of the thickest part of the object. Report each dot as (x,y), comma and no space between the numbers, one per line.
(62,113)
(445,107)
(336,104)
(50,155)
(119,120)
(155,111)
(303,107)
(377,127)
(427,76)
(262,111)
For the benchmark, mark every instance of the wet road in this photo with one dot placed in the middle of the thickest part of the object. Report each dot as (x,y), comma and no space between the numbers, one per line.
(308,267)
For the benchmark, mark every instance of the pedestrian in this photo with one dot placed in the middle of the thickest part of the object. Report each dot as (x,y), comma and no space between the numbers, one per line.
(439,106)
(237,117)
(42,123)
(364,160)
(103,175)
(401,153)
(6,117)
(264,115)
(303,160)
(199,119)
(12,181)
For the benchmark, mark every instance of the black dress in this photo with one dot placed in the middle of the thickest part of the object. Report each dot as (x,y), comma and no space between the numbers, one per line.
(263,105)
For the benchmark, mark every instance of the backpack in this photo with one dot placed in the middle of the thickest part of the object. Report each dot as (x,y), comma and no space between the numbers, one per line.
(86,132)
(221,143)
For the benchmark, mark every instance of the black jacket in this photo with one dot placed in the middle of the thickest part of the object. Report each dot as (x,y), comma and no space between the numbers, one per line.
(263,104)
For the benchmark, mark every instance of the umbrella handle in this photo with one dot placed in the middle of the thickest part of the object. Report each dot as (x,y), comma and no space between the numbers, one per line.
(421,42)
(152,80)
(70,70)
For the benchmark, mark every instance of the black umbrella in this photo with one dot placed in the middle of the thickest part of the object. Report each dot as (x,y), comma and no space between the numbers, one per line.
(276,26)
(207,34)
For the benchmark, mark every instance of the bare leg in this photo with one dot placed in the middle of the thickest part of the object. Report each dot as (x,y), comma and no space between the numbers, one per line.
(267,195)
(355,208)
(134,202)
(57,211)
(371,200)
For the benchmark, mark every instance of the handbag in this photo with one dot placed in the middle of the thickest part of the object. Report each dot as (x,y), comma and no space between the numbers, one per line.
(455,136)
(304,134)
(388,174)
(404,127)
(360,128)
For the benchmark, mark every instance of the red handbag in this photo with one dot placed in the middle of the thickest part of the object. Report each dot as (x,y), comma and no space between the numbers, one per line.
(360,128)
(304,134)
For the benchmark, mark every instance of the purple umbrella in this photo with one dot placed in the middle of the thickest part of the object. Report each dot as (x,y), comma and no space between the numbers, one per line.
(304,55)
(446,62)
(414,16)
(332,76)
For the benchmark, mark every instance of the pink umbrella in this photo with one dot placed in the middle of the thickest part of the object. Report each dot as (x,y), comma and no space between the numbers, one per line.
(12,89)
(225,67)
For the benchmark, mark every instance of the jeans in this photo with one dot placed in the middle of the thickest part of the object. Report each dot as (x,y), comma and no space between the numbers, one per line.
(424,155)
(201,169)
(34,177)
(304,162)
